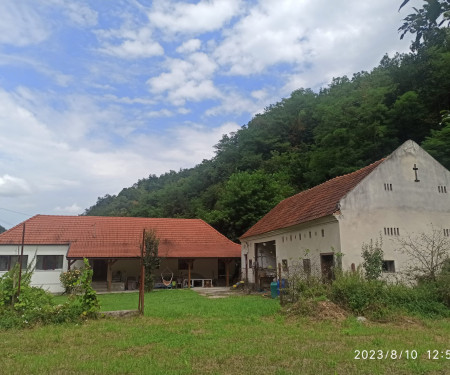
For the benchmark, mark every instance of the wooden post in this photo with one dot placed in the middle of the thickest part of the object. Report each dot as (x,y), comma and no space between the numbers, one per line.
(227,272)
(279,283)
(109,274)
(246,268)
(189,273)
(142,277)
(20,261)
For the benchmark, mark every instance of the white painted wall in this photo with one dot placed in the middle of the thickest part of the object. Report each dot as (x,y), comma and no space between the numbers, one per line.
(296,243)
(410,206)
(49,279)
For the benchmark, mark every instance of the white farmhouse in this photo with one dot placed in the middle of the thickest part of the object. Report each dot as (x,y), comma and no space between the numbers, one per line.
(400,195)
(192,252)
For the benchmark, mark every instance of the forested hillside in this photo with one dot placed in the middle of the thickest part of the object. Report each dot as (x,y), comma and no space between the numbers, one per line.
(304,140)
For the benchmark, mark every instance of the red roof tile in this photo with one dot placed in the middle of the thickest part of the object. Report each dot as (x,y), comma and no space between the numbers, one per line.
(311,204)
(119,237)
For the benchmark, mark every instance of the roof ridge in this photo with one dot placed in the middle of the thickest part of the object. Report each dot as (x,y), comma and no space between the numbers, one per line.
(335,178)
(310,204)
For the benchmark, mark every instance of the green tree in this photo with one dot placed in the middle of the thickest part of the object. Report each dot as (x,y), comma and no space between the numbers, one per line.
(438,142)
(2,229)
(245,198)
(151,259)
(426,22)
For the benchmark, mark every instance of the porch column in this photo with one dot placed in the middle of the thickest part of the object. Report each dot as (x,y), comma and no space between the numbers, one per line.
(109,262)
(190,263)
(227,262)
(69,263)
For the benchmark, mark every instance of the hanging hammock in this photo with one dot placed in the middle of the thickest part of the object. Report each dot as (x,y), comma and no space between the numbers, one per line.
(167,283)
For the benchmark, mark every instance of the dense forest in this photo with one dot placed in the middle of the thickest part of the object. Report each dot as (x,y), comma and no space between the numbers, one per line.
(310,137)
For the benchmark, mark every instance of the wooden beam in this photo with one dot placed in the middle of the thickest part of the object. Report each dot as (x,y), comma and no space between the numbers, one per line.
(70,262)
(109,262)
(227,273)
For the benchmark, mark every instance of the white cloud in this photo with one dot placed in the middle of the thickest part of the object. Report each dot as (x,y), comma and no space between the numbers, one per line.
(204,16)
(80,14)
(13,186)
(190,46)
(187,80)
(132,43)
(20,24)
(318,39)
(73,209)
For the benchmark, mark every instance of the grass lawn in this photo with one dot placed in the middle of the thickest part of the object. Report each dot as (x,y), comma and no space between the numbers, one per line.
(185,333)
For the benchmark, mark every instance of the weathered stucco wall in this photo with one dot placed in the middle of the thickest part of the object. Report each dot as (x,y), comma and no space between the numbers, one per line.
(305,241)
(390,197)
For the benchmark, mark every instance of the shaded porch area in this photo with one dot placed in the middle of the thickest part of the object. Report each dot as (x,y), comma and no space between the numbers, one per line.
(122,274)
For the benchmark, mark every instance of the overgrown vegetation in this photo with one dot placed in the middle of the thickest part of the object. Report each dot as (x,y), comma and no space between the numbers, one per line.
(363,292)
(33,305)
(151,259)
(372,254)
(427,253)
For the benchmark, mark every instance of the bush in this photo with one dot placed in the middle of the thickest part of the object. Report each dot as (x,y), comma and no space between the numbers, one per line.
(443,283)
(69,280)
(363,297)
(379,300)
(37,306)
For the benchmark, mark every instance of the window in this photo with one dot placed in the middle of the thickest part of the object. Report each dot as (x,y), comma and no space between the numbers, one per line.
(250,263)
(49,262)
(323,232)
(388,266)
(391,231)
(9,261)
(300,236)
(442,189)
(447,232)
(284,264)
(388,187)
(307,266)
(309,234)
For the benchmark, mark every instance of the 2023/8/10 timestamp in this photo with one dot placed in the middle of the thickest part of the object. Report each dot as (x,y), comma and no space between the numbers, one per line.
(399,354)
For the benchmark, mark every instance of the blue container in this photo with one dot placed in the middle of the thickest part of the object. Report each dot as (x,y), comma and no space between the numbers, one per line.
(274,289)
(283,285)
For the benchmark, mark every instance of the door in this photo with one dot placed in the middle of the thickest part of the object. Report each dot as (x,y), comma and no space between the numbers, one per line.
(326,264)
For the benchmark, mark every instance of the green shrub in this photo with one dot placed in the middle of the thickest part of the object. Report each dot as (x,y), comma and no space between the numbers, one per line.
(379,300)
(372,253)
(363,297)
(310,287)
(88,300)
(443,283)
(37,306)
(69,280)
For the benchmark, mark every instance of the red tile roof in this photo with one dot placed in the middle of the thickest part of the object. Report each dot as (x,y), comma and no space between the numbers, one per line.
(120,237)
(311,204)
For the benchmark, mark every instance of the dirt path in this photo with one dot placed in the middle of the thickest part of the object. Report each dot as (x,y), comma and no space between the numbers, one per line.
(214,292)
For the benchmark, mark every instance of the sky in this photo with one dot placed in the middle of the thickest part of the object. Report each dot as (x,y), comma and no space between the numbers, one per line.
(97,94)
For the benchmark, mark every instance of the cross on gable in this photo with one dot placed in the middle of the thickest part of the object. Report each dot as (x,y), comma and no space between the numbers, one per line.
(415,169)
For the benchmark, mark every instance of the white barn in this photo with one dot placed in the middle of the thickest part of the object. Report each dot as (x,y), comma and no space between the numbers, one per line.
(401,194)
